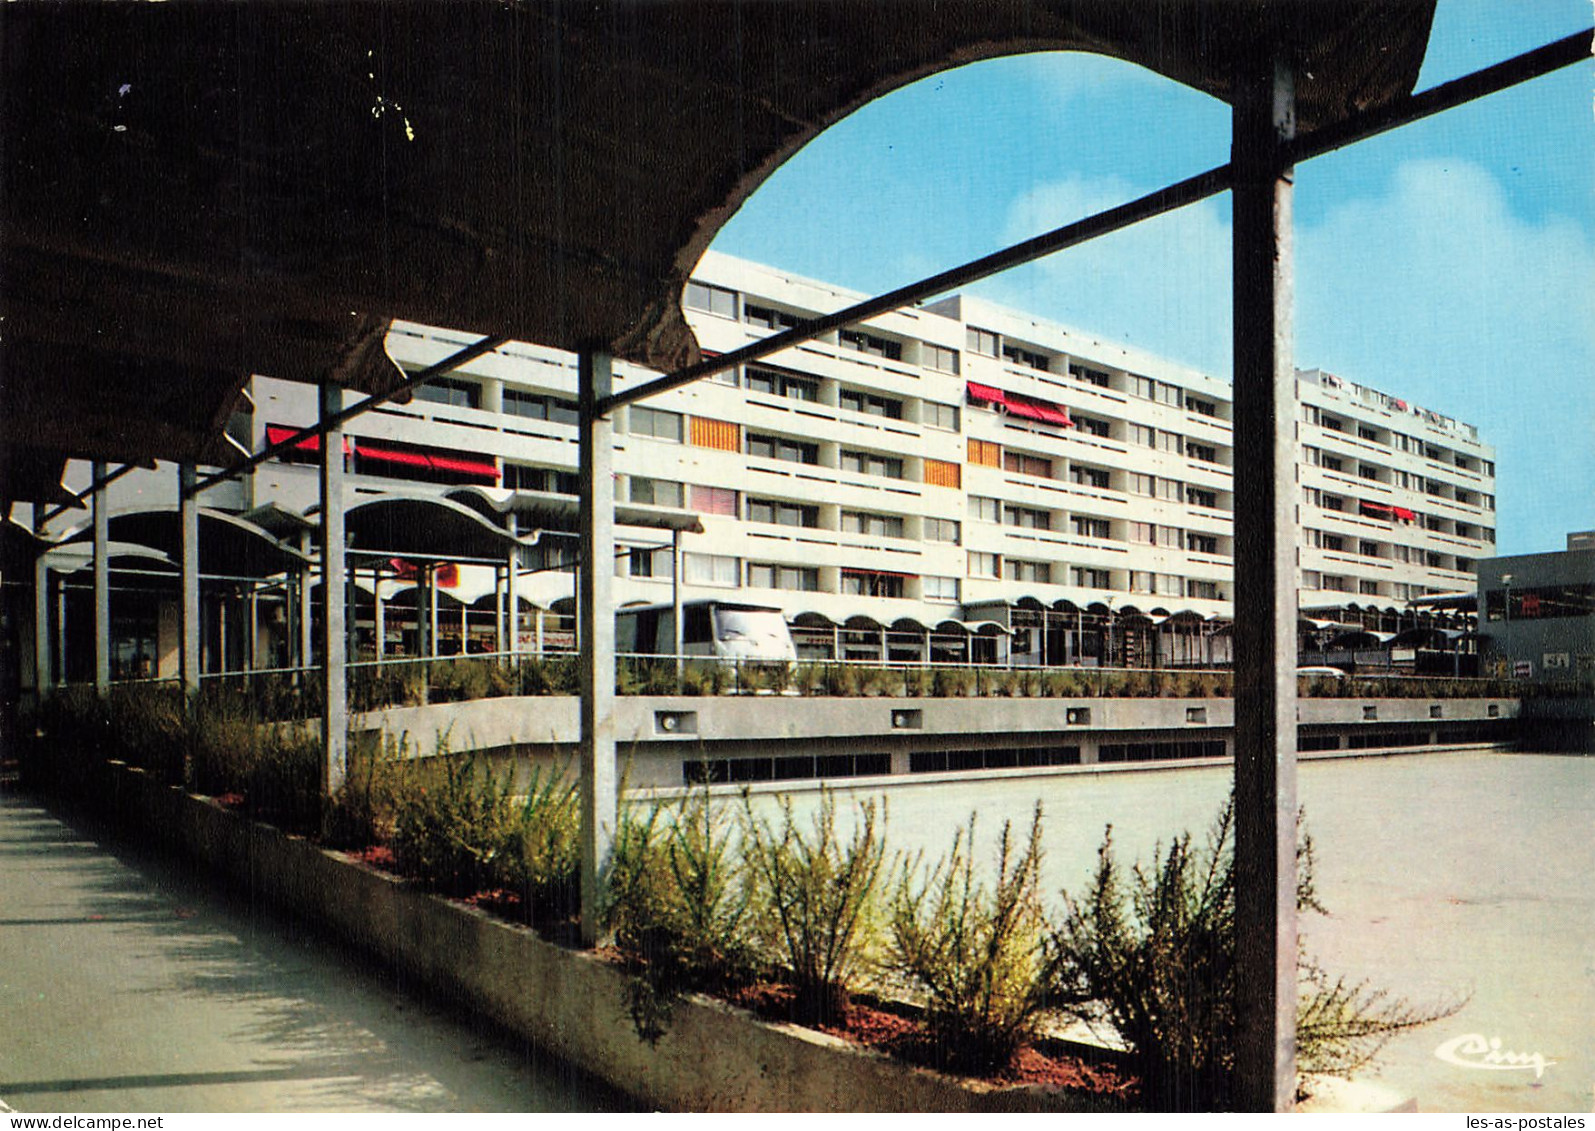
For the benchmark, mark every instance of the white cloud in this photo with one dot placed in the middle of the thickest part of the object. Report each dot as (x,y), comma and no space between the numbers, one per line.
(1162,285)
(1438,291)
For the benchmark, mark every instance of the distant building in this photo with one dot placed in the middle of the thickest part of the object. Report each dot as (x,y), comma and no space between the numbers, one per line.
(1537,614)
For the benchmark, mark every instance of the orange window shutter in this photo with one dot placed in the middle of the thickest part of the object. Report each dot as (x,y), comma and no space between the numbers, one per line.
(721,434)
(940,473)
(985,453)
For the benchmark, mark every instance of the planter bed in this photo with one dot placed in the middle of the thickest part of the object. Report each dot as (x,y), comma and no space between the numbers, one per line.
(715,1056)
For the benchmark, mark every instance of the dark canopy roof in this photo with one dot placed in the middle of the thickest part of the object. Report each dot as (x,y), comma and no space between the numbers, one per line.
(195,192)
(228,545)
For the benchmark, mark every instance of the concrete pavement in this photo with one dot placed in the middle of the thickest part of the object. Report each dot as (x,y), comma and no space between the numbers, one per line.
(127,985)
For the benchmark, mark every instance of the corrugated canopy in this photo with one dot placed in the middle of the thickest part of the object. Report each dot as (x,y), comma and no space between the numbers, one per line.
(198,192)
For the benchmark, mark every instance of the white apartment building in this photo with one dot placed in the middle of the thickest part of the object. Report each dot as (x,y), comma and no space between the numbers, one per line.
(957,461)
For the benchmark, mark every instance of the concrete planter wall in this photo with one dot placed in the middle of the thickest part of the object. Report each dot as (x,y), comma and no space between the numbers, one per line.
(714,1057)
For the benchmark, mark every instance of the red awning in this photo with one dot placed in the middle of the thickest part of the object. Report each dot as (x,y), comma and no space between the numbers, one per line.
(434,461)
(277,433)
(979,392)
(1403,514)
(1038,410)
(1381,510)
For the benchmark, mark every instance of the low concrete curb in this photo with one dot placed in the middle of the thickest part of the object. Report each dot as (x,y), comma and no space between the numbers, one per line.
(714,1058)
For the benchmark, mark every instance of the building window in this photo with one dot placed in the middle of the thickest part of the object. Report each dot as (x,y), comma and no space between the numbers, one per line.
(655,422)
(520,477)
(1153,535)
(1091,426)
(1015,569)
(1329,462)
(1366,433)
(1334,424)
(714,500)
(983,342)
(869,463)
(1085,527)
(868,583)
(1200,406)
(941,473)
(657,492)
(1206,453)
(934,414)
(942,530)
(536,406)
(1089,375)
(1201,543)
(1097,477)
(1142,436)
(870,404)
(716,300)
(942,590)
(772,576)
(939,358)
(722,435)
(984,565)
(649,561)
(768,317)
(781,448)
(450,391)
(1022,464)
(782,513)
(1368,588)
(1332,542)
(1203,590)
(1088,578)
(1310,579)
(1030,359)
(1332,502)
(875,525)
(1029,518)
(1201,497)
(709,569)
(984,509)
(871,344)
(779,383)
(984,453)
(1368,549)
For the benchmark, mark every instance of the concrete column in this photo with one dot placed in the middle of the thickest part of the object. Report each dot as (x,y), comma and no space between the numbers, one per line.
(252,630)
(1265,590)
(305,645)
(102,584)
(677,637)
(188,606)
(596,625)
(512,589)
(334,641)
(379,613)
(43,668)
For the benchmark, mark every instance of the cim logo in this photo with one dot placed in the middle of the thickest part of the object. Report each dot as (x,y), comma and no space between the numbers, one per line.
(1472,1050)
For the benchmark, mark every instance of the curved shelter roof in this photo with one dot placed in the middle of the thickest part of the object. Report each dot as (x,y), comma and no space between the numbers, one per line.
(425,527)
(198,192)
(229,546)
(546,510)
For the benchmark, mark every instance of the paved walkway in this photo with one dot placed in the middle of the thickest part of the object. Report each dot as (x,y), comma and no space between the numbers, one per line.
(128,986)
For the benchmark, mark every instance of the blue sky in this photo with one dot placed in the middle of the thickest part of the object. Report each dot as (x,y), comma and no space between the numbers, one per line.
(1451,263)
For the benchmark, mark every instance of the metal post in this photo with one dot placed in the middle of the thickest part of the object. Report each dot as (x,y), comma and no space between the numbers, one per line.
(678,636)
(43,668)
(252,629)
(379,614)
(1265,589)
(188,609)
(596,616)
(334,642)
(306,645)
(512,589)
(102,585)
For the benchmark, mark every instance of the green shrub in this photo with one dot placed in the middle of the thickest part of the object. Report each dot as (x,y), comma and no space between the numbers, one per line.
(950,682)
(456,824)
(917,682)
(544,862)
(816,896)
(1154,954)
(977,954)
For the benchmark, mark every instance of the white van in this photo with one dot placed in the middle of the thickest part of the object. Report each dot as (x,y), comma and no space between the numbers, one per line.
(726,629)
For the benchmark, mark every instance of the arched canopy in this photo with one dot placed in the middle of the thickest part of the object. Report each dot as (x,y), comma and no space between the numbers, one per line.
(545,510)
(811,619)
(229,546)
(425,527)
(545,172)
